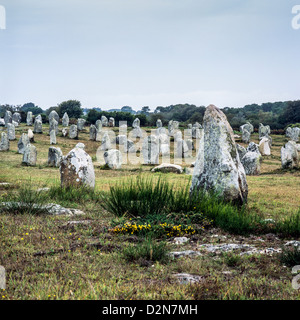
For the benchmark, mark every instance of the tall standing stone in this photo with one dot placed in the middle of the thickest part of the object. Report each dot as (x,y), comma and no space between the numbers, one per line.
(289,156)
(52,137)
(150,150)
(39,117)
(73,132)
(158,123)
(104,121)
(77,169)
(65,120)
(53,125)
(53,115)
(105,142)
(111,122)
(7,117)
(113,159)
(30,155)
(11,132)
(16,117)
(218,167)
(29,118)
(264,146)
(23,142)
(293,133)
(80,124)
(264,131)
(38,126)
(136,123)
(93,132)
(4,143)
(54,156)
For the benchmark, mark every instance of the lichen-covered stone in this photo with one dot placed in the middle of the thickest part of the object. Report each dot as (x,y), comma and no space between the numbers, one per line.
(29,118)
(54,157)
(293,133)
(53,115)
(251,162)
(150,150)
(7,117)
(158,123)
(168,167)
(113,159)
(73,132)
(38,126)
(104,121)
(111,122)
(53,125)
(4,143)
(289,156)
(218,167)
(93,132)
(52,137)
(105,142)
(11,132)
(80,124)
(29,155)
(65,120)
(77,169)
(23,142)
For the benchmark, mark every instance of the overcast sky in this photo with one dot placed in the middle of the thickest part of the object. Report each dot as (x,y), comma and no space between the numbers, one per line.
(112,53)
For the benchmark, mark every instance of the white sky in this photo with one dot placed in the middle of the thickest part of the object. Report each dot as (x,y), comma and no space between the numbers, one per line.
(112,53)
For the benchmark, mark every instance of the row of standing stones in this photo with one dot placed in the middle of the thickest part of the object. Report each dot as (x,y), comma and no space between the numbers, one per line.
(221,164)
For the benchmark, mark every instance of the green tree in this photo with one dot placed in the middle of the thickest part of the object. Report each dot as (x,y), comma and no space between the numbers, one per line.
(72,107)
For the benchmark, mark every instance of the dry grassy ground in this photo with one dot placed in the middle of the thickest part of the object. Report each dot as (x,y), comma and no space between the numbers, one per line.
(45,258)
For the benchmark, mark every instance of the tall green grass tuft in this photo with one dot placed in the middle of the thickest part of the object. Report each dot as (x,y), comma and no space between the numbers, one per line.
(73,194)
(290,256)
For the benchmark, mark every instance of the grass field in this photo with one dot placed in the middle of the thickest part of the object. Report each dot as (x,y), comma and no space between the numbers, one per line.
(47,257)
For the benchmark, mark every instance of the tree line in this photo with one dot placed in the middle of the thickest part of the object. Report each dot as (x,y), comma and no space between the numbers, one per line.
(278,115)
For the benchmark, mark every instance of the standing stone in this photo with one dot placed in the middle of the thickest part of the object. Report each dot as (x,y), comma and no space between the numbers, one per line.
(2,122)
(52,137)
(293,133)
(164,144)
(246,136)
(218,167)
(93,132)
(251,163)
(29,118)
(104,121)
(54,157)
(289,156)
(173,127)
(177,135)
(65,120)
(99,125)
(241,150)
(11,132)
(29,155)
(129,146)
(65,132)
(196,133)
(150,150)
(264,146)
(113,159)
(158,123)
(77,169)
(105,142)
(39,117)
(53,115)
(38,126)
(264,131)
(80,124)
(136,123)
(4,143)
(248,126)
(16,117)
(53,125)
(111,122)
(190,144)
(73,132)
(7,117)
(30,136)
(253,147)
(23,142)
(182,149)
(137,132)
(16,124)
